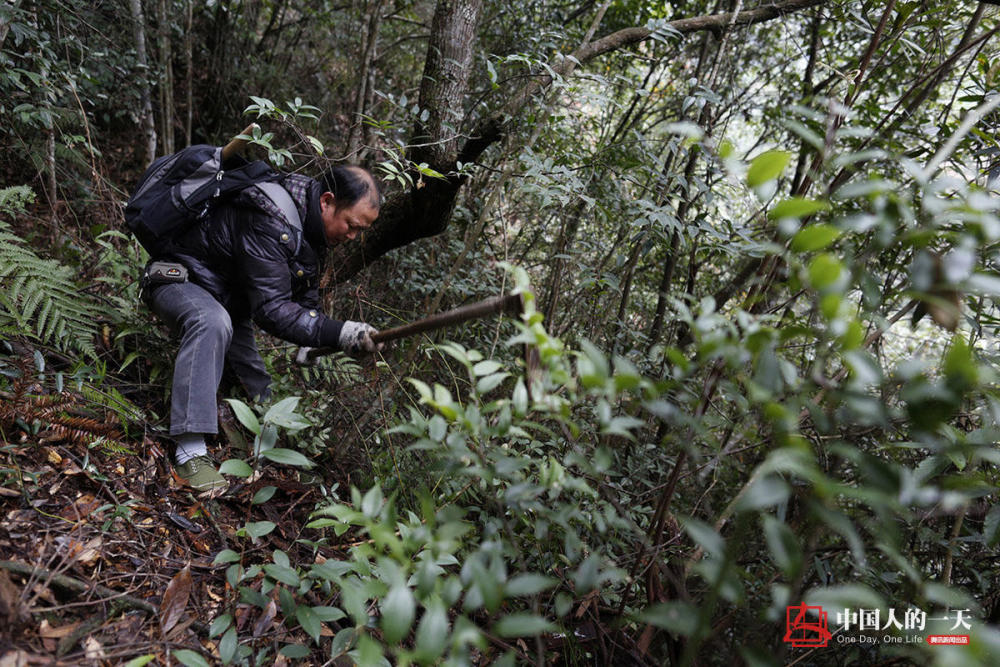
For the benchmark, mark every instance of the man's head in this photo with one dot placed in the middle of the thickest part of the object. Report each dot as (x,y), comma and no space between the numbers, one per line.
(349,204)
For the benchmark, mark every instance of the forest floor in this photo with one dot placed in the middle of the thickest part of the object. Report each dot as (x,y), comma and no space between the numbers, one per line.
(107,555)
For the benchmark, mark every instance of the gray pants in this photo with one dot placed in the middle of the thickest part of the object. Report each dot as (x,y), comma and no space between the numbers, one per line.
(209,339)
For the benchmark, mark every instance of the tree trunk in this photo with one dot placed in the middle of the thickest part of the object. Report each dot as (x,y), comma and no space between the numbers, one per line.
(146,114)
(189,70)
(356,139)
(166,79)
(445,82)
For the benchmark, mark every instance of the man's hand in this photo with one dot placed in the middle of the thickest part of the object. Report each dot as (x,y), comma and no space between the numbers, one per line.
(302,357)
(356,339)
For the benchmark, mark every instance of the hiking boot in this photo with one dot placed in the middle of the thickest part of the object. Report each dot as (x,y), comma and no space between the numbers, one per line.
(200,474)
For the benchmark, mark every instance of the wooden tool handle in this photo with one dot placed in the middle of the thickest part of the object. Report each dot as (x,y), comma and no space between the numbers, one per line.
(237,144)
(510,304)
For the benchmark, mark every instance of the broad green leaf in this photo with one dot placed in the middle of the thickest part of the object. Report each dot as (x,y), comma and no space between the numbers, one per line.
(432,633)
(486,367)
(190,658)
(704,535)
(528,584)
(309,621)
(796,207)
(235,467)
(784,546)
(398,611)
(263,495)
(991,527)
(766,167)
(285,575)
(372,502)
(226,556)
(679,618)
(287,456)
(294,651)
(814,237)
(141,661)
(260,528)
(245,415)
(228,646)
(220,625)
(824,271)
(522,624)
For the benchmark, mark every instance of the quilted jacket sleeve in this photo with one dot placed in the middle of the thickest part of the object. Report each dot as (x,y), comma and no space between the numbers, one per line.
(263,252)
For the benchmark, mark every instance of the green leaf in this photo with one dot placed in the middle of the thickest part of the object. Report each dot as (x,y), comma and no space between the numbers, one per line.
(140,661)
(523,625)
(190,658)
(814,237)
(796,207)
(285,575)
(294,651)
(263,495)
(226,556)
(679,618)
(432,633)
(991,527)
(528,584)
(245,415)
(328,614)
(309,621)
(784,546)
(220,625)
(259,528)
(486,367)
(372,502)
(766,167)
(398,611)
(287,457)
(228,646)
(235,467)
(704,535)
(824,271)
(490,382)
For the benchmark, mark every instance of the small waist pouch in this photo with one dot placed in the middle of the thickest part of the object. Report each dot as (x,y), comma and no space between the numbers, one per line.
(164,273)
(160,273)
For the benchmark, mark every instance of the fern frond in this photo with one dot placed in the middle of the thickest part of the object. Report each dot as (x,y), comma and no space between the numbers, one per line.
(40,300)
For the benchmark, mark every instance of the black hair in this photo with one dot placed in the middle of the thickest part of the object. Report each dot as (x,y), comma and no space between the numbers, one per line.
(349,184)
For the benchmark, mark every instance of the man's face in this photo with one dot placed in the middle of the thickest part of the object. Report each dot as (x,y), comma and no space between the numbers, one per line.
(344,223)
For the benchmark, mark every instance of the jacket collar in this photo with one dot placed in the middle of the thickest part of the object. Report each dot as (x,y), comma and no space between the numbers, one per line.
(313,226)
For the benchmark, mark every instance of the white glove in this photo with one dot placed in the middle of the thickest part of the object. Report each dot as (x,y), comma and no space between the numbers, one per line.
(356,339)
(302,357)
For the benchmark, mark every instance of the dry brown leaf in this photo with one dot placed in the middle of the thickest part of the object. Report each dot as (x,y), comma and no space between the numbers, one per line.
(93,649)
(9,493)
(175,599)
(46,631)
(14,659)
(266,619)
(11,610)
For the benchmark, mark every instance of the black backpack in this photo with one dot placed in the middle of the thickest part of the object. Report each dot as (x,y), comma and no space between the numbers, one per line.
(179,190)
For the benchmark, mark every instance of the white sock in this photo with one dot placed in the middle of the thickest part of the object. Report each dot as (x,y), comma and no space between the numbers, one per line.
(189,445)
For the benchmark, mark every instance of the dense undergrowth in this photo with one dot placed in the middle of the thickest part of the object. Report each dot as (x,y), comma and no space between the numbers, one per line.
(749,416)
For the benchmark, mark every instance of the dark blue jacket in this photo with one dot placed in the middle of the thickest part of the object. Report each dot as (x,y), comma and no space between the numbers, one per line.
(257,264)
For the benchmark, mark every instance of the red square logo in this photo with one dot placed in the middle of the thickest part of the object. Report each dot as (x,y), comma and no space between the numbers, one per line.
(803,630)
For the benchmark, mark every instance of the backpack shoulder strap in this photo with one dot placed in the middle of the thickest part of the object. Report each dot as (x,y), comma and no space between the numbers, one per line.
(279,197)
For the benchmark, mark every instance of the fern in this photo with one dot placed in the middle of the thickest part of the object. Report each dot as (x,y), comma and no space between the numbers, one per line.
(38,297)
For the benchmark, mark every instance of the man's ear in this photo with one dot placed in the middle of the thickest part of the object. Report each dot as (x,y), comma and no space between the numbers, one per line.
(327,199)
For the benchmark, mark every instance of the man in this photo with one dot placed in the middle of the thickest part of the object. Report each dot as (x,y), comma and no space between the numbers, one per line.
(249,263)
